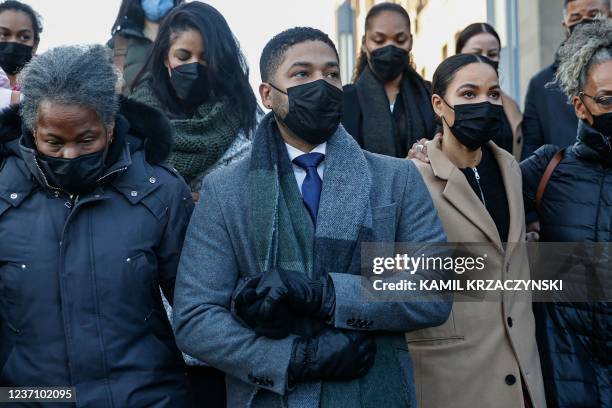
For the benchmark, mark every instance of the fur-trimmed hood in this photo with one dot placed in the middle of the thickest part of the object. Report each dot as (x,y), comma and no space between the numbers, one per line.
(147,124)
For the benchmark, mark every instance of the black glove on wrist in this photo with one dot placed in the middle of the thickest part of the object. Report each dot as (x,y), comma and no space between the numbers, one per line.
(246,305)
(309,297)
(332,355)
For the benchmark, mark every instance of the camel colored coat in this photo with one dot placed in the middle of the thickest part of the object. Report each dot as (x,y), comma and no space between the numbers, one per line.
(479,355)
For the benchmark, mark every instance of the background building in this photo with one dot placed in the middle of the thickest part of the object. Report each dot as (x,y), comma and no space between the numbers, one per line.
(530,32)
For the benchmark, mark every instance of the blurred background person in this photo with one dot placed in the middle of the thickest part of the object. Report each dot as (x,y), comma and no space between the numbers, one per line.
(573,205)
(92,227)
(387,108)
(548,118)
(20,29)
(475,186)
(482,39)
(198,76)
(133,33)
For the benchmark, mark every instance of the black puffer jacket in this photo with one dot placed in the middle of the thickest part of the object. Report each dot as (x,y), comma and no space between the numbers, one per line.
(80,303)
(575,339)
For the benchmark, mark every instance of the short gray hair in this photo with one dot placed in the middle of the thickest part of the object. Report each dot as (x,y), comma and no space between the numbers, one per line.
(81,75)
(589,45)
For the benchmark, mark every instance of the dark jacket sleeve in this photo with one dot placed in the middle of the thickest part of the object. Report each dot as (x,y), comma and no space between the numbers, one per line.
(351,117)
(170,246)
(532,169)
(533,135)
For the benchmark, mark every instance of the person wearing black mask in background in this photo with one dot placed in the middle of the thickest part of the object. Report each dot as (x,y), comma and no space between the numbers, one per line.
(20,29)
(133,34)
(197,75)
(548,118)
(269,286)
(387,108)
(482,39)
(476,187)
(573,206)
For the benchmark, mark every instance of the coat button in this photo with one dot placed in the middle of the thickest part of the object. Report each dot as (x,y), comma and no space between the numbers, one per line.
(510,379)
(14,196)
(152,180)
(134,193)
(509,321)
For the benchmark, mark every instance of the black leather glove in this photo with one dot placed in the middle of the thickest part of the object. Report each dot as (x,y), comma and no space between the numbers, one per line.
(332,355)
(315,298)
(246,305)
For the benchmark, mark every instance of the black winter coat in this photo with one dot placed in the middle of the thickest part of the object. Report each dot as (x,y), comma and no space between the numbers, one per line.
(548,117)
(575,339)
(80,278)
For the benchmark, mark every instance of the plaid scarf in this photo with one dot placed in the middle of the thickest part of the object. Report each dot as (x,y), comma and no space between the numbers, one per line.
(282,239)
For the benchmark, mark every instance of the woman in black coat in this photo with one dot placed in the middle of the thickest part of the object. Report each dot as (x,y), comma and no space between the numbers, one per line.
(92,226)
(388,106)
(576,207)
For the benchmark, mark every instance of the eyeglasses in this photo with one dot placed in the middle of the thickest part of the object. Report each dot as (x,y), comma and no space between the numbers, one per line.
(605,101)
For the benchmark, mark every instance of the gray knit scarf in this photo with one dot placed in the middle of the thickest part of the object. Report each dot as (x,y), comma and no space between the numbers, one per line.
(199,141)
(282,240)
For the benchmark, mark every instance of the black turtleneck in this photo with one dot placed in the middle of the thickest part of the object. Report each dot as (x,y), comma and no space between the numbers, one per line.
(491,188)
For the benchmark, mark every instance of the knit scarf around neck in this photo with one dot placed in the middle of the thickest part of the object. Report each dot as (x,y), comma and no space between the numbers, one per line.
(344,221)
(199,141)
(379,128)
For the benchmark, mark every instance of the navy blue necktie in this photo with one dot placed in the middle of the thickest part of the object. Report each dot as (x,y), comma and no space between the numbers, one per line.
(311,188)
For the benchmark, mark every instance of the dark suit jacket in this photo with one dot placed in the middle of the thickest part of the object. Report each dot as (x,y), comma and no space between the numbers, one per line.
(548,117)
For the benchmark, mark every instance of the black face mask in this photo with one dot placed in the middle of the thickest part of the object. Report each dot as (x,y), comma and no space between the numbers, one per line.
(476,123)
(388,62)
(13,56)
(74,176)
(190,83)
(603,124)
(315,110)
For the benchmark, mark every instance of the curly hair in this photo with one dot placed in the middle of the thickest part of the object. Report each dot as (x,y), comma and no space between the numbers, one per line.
(71,75)
(589,45)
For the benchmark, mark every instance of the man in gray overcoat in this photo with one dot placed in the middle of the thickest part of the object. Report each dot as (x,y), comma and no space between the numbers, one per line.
(269,287)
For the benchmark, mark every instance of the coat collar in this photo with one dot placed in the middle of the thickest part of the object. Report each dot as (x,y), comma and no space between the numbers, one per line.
(459,193)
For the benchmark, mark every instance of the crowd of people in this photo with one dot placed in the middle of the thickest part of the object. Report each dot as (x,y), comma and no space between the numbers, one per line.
(166,242)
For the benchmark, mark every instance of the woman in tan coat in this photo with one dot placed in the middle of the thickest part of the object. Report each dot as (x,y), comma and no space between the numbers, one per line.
(485,355)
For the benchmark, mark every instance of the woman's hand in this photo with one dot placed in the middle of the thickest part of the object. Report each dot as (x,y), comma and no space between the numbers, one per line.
(419,149)
(533,232)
